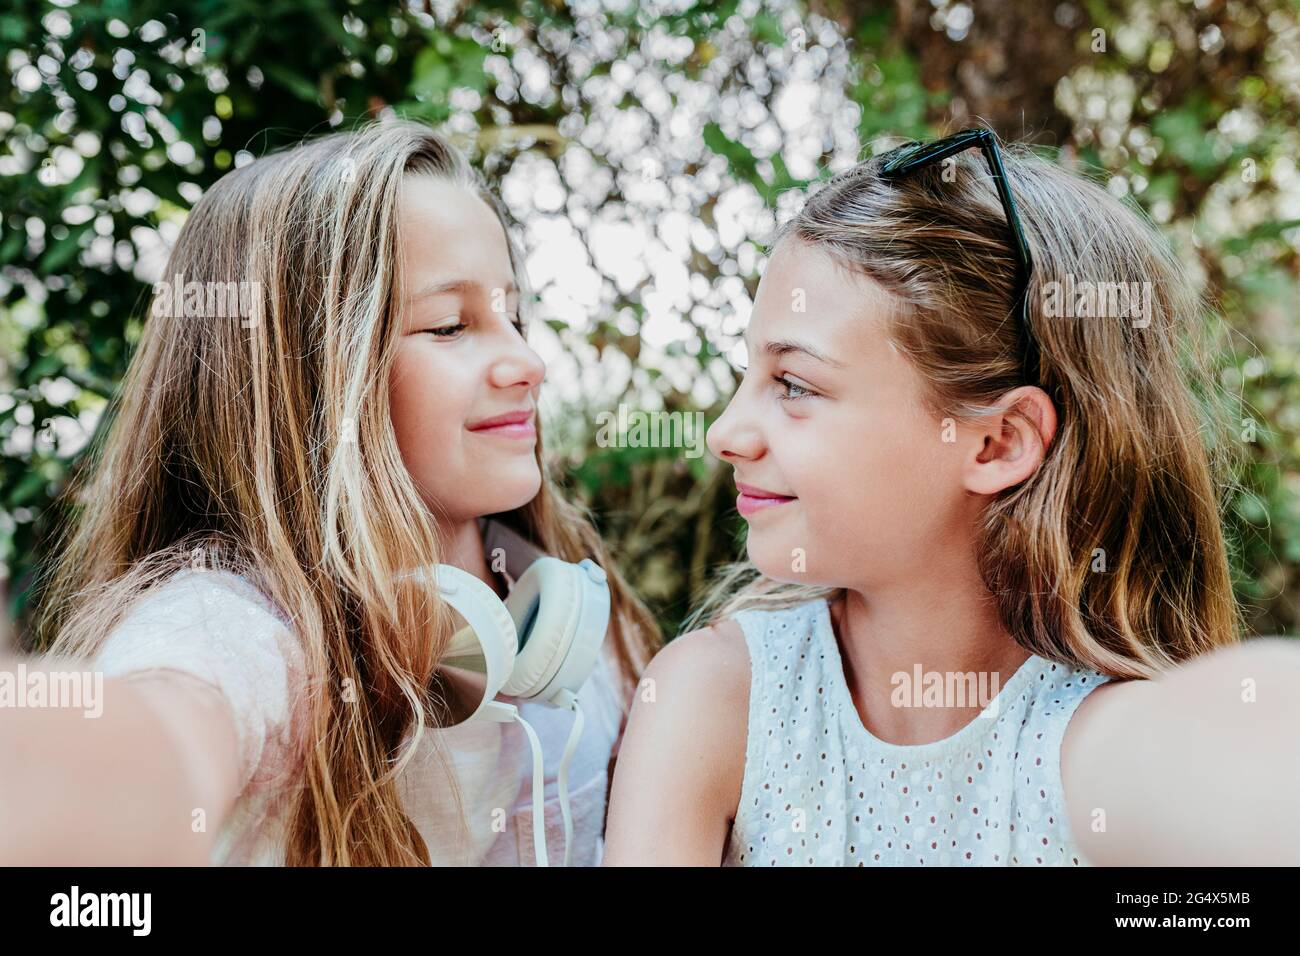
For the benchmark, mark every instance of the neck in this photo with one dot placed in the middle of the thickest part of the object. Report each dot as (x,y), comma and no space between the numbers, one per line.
(943,620)
(466,552)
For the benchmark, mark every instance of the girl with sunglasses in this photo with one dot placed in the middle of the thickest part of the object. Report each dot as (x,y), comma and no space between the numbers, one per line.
(987,617)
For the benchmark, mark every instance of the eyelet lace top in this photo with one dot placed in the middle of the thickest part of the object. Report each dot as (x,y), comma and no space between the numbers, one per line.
(820,790)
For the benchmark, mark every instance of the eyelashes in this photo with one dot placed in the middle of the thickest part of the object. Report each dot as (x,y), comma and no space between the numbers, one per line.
(451,331)
(793,390)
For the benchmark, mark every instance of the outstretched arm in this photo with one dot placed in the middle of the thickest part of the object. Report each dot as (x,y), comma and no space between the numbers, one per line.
(1198,767)
(118,789)
(682,759)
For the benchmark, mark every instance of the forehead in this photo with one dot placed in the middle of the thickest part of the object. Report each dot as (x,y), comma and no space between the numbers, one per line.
(446,229)
(806,294)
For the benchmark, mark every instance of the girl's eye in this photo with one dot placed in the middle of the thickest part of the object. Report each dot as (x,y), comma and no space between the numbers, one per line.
(446,331)
(451,331)
(793,390)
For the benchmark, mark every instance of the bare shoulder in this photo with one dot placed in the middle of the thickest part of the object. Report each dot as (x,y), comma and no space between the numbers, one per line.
(1099,712)
(682,761)
(701,680)
(714,657)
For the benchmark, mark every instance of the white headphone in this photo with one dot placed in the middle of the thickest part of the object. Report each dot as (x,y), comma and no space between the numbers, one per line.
(540,644)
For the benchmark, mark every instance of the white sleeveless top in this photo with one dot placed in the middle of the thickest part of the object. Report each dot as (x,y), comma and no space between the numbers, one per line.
(217,628)
(820,789)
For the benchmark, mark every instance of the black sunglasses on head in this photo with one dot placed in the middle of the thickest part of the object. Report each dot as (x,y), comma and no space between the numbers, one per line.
(914,156)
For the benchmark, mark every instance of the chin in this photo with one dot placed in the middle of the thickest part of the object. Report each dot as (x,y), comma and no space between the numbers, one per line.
(512,491)
(774,559)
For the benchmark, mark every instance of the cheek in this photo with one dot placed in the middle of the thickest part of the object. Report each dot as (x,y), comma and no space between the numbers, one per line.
(459,473)
(428,414)
(878,485)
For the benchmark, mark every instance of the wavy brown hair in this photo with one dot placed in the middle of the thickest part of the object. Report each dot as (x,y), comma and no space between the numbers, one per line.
(225,437)
(1141,464)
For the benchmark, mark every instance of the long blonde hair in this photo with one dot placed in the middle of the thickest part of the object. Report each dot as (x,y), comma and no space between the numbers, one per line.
(1112,555)
(225,436)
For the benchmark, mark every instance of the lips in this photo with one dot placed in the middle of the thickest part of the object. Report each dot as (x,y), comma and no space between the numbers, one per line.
(518,424)
(751,499)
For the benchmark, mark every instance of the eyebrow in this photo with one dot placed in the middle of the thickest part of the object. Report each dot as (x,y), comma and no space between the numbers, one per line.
(455,287)
(785,346)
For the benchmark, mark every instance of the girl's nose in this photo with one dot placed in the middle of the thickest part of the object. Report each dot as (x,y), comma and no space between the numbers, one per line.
(734,435)
(519,365)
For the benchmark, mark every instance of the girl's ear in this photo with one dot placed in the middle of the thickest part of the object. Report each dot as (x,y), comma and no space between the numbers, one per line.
(1011,443)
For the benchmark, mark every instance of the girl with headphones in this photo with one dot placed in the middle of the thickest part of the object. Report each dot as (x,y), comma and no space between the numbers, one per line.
(342,615)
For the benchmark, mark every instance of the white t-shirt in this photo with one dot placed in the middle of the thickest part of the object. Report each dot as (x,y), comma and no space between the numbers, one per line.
(218,628)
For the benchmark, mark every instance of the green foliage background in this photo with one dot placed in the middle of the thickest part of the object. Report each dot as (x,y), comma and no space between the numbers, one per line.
(117,115)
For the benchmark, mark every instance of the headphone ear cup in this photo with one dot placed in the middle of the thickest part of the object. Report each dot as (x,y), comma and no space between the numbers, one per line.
(561,612)
(589,631)
(487,644)
(542,605)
